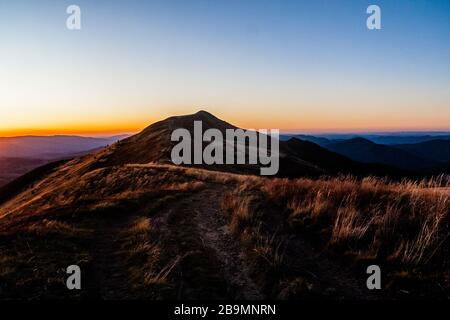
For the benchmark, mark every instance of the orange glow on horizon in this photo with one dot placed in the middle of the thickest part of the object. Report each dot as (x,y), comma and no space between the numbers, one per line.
(86,130)
(301,122)
(65,132)
(284,126)
(342,125)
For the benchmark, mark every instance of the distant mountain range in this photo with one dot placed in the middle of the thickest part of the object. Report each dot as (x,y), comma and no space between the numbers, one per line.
(385,138)
(19,155)
(437,150)
(366,151)
(422,153)
(51,147)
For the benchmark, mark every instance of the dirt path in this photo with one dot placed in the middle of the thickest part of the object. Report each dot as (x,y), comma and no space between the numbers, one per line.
(107,277)
(195,229)
(330,278)
(212,264)
(214,234)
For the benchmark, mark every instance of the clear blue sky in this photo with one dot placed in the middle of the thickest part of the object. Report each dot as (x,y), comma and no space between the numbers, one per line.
(309,65)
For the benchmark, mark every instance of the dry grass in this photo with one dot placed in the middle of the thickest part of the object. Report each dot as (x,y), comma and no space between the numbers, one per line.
(269,248)
(33,260)
(404,225)
(52,227)
(198,173)
(147,267)
(141,244)
(413,215)
(349,224)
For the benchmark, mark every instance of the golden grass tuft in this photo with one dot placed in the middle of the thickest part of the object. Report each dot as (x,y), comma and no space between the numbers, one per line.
(53,227)
(144,254)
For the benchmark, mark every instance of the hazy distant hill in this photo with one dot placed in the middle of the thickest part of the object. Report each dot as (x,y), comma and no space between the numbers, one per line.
(363,150)
(437,150)
(19,155)
(50,147)
(405,139)
(317,140)
(416,152)
(387,139)
(333,162)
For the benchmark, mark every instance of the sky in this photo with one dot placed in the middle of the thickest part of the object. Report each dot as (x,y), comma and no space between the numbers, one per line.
(309,66)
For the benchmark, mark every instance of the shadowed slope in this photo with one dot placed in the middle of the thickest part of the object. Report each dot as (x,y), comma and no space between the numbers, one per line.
(334,163)
(363,150)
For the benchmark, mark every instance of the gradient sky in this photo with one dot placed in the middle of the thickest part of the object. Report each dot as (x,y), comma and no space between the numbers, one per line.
(306,65)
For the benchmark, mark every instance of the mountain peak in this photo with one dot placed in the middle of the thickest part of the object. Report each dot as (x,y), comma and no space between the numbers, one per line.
(206,116)
(204,113)
(200,115)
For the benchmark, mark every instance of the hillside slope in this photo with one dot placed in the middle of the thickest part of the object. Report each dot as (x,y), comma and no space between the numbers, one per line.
(141,228)
(153,231)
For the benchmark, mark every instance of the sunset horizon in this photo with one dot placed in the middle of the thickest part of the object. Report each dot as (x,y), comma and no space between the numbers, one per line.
(94,129)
